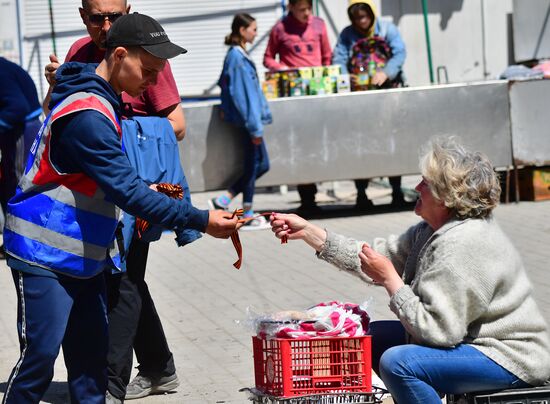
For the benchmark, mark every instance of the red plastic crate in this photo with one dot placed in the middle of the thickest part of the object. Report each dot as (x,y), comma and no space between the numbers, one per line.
(295,367)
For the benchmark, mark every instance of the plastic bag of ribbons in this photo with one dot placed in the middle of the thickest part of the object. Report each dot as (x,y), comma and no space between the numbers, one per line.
(326,319)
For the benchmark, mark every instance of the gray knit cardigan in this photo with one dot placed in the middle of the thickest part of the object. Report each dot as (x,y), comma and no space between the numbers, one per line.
(464,283)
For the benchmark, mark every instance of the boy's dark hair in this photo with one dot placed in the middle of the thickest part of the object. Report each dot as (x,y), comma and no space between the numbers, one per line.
(130,49)
(297,1)
(359,7)
(239,21)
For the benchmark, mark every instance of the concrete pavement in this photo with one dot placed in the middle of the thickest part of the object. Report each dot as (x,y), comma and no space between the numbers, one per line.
(203,300)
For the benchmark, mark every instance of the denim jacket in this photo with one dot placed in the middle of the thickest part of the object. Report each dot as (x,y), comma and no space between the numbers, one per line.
(243,102)
(385,29)
(152,149)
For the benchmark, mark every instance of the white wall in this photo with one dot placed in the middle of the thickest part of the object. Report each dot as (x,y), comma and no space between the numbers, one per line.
(456,28)
(9,42)
(456,31)
(198,25)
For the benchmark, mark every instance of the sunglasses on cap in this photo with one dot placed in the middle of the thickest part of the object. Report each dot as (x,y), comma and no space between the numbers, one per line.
(97,20)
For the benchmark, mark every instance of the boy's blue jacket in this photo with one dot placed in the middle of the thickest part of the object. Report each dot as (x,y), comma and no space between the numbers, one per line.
(242,100)
(384,29)
(152,149)
(87,143)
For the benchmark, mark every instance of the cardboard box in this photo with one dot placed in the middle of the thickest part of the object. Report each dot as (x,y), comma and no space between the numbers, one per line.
(534,183)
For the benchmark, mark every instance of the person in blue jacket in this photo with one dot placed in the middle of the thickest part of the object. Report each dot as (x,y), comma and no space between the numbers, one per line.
(365,24)
(19,123)
(243,104)
(61,224)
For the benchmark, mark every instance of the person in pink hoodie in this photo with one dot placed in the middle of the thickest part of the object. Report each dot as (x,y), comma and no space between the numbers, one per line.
(300,39)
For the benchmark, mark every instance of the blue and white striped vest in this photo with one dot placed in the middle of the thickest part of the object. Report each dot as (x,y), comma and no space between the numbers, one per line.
(59,221)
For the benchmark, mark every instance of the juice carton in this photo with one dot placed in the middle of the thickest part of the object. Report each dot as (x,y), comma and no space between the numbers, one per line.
(332,70)
(318,71)
(343,83)
(329,82)
(305,73)
(271,88)
(297,87)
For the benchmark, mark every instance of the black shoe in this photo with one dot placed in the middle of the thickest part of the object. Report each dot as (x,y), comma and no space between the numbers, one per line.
(398,201)
(363,203)
(2,252)
(309,209)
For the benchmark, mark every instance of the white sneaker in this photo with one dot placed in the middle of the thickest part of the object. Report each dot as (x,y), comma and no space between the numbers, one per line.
(259,223)
(213,204)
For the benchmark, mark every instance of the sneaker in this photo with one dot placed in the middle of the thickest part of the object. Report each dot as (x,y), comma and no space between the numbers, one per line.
(215,204)
(109,399)
(259,223)
(143,385)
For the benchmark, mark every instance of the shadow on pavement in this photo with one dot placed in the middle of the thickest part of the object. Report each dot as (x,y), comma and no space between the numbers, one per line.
(332,211)
(58,393)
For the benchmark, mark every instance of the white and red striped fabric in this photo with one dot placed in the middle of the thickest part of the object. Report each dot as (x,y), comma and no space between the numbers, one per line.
(329,319)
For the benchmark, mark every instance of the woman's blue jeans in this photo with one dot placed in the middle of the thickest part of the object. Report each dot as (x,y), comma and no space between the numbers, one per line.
(256,164)
(419,374)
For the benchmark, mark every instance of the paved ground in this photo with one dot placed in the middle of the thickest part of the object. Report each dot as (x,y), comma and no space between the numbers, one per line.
(203,300)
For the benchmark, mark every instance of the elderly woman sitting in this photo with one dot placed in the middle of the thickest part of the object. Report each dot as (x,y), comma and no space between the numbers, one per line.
(467,319)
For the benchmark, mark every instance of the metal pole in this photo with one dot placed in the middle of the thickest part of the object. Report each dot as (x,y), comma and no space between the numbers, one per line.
(19,36)
(428,44)
(52,28)
(483,41)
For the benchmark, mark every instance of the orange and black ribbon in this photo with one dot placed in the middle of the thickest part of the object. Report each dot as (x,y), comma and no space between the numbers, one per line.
(172,190)
(235,235)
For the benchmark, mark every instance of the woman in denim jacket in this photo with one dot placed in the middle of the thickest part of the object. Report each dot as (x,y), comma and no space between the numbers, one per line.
(243,104)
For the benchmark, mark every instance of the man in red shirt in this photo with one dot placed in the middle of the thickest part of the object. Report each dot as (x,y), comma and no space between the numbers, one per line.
(162,99)
(300,39)
(134,323)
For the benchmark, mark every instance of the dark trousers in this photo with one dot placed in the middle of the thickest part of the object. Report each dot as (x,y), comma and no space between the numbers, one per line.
(384,335)
(134,324)
(11,164)
(256,164)
(395,182)
(53,313)
(307,194)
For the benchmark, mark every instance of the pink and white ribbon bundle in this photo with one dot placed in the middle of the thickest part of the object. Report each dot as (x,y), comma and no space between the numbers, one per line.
(329,319)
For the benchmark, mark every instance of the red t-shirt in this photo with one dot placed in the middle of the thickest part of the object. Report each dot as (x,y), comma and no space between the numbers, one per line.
(154,99)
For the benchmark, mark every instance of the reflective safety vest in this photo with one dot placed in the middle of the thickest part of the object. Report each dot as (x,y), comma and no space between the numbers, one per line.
(59,221)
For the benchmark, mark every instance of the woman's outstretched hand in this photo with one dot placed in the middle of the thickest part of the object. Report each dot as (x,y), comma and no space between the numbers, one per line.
(295,227)
(380,269)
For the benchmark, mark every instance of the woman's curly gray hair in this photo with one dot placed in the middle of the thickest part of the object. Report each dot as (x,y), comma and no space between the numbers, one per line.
(464,181)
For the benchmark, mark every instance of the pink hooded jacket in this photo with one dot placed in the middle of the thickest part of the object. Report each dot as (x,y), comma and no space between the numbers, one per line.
(298,45)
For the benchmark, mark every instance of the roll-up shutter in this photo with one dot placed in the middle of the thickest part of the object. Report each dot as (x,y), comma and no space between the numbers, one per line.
(199,26)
